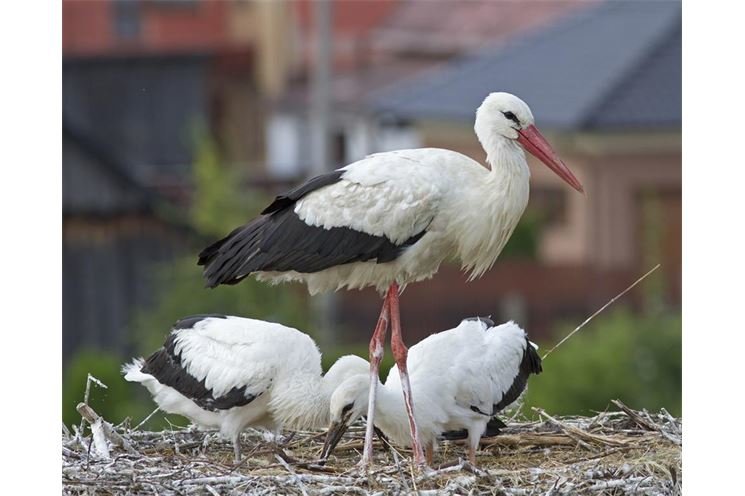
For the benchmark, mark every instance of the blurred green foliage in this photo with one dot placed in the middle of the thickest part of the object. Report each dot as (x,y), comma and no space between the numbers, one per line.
(219,204)
(115,402)
(523,243)
(634,358)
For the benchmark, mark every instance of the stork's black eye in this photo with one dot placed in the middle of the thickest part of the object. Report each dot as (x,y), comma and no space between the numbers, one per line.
(347,408)
(511,117)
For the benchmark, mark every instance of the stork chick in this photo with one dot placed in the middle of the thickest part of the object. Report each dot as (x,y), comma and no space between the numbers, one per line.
(463,378)
(229,373)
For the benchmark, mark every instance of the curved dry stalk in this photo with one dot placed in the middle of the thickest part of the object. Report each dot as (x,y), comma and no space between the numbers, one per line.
(612,300)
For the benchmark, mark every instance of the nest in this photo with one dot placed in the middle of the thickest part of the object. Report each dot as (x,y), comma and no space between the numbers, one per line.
(614,452)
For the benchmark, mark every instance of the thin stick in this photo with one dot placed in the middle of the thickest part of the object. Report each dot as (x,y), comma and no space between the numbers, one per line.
(397,460)
(87,395)
(293,475)
(147,418)
(600,310)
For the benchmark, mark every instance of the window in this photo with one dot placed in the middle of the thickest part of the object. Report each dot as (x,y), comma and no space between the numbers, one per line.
(126,18)
(338,148)
(284,141)
(397,137)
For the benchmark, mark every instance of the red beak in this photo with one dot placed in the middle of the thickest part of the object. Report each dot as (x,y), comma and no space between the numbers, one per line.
(533,141)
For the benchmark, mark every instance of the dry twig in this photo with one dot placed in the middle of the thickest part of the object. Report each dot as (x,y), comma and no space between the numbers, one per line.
(588,319)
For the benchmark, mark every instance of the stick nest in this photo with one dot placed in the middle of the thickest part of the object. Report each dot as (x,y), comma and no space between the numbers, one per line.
(613,453)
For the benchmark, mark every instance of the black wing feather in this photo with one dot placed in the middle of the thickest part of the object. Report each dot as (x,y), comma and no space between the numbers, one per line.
(530,364)
(190,321)
(285,200)
(280,241)
(165,365)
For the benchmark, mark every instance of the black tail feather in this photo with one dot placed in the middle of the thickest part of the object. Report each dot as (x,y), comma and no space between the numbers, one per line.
(494,427)
(281,242)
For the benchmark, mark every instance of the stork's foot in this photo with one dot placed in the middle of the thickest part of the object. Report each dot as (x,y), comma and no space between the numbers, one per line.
(208,438)
(286,439)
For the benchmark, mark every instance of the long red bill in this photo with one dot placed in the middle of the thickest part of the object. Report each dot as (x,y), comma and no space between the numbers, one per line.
(533,141)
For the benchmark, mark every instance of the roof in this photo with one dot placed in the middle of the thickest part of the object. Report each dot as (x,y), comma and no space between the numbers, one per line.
(617,64)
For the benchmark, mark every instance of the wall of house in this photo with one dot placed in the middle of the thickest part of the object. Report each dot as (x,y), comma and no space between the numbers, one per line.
(616,207)
(634,204)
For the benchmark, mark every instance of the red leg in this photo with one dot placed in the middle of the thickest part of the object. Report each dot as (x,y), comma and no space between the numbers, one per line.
(400,353)
(429,454)
(377,348)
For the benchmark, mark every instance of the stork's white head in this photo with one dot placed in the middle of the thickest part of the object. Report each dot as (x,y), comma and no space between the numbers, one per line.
(349,400)
(504,116)
(348,403)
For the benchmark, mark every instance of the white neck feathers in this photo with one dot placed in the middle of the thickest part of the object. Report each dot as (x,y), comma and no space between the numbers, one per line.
(302,402)
(483,227)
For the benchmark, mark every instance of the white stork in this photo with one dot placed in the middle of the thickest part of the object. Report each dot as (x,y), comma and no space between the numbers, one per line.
(462,377)
(229,373)
(391,219)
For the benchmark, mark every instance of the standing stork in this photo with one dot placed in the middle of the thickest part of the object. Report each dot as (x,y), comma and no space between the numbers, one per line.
(229,373)
(462,377)
(391,219)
